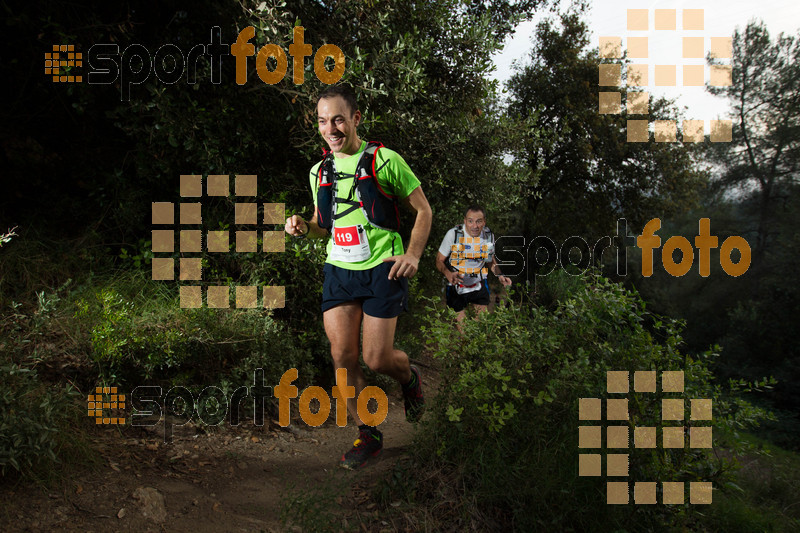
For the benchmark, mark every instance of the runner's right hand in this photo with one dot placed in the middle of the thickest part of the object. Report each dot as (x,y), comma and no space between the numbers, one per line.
(296,226)
(454,278)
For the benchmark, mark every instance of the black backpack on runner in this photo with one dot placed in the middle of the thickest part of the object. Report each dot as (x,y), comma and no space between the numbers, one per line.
(378,206)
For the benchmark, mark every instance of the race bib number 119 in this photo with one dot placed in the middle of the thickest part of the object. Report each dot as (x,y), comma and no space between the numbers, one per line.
(350,244)
(346,236)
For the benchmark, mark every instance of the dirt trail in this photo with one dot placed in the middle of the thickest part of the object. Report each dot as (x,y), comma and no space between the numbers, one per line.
(228,479)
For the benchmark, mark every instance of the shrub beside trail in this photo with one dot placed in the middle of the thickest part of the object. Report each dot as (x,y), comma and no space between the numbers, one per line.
(502,435)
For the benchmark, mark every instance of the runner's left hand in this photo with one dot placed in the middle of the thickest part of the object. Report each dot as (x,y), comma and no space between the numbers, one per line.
(504,280)
(405,266)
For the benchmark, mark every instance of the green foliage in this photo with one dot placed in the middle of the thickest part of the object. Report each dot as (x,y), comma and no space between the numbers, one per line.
(587,174)
(35,263)
(557,286)
(753,195)
(753,317)
(764,495)
(39,424)
(299,269)
(409,62)
(140,258)
(763,158)
(507,410)
(144,335)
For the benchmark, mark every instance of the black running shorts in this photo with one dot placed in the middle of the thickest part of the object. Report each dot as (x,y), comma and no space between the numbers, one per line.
(459,302)
(380,296)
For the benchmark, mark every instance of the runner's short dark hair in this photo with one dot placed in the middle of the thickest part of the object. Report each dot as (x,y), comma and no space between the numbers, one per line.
(475,207)
(345,90)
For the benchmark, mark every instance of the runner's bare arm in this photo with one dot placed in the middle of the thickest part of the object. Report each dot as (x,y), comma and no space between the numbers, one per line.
(297,227)
(406,265)
(440,266)
(416,201)
(452,277)
(504,280)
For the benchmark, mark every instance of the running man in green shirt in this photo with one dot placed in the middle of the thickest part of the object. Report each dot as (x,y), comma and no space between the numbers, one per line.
(356,189)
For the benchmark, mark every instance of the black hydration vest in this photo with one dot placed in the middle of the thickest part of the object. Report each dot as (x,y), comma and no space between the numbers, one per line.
(379,207)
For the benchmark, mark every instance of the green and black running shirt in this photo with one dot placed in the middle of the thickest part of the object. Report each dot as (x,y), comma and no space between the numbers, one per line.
(394,176)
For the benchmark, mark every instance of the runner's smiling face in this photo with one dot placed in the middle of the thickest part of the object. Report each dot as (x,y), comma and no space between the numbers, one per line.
(337,125)
(474,222)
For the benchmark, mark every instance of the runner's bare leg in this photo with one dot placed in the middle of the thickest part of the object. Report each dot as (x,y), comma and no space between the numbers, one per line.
(343,327)
(379,352)
(460,315)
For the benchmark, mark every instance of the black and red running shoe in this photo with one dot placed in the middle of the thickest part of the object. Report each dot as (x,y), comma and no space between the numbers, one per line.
(413,399)
(368,444)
